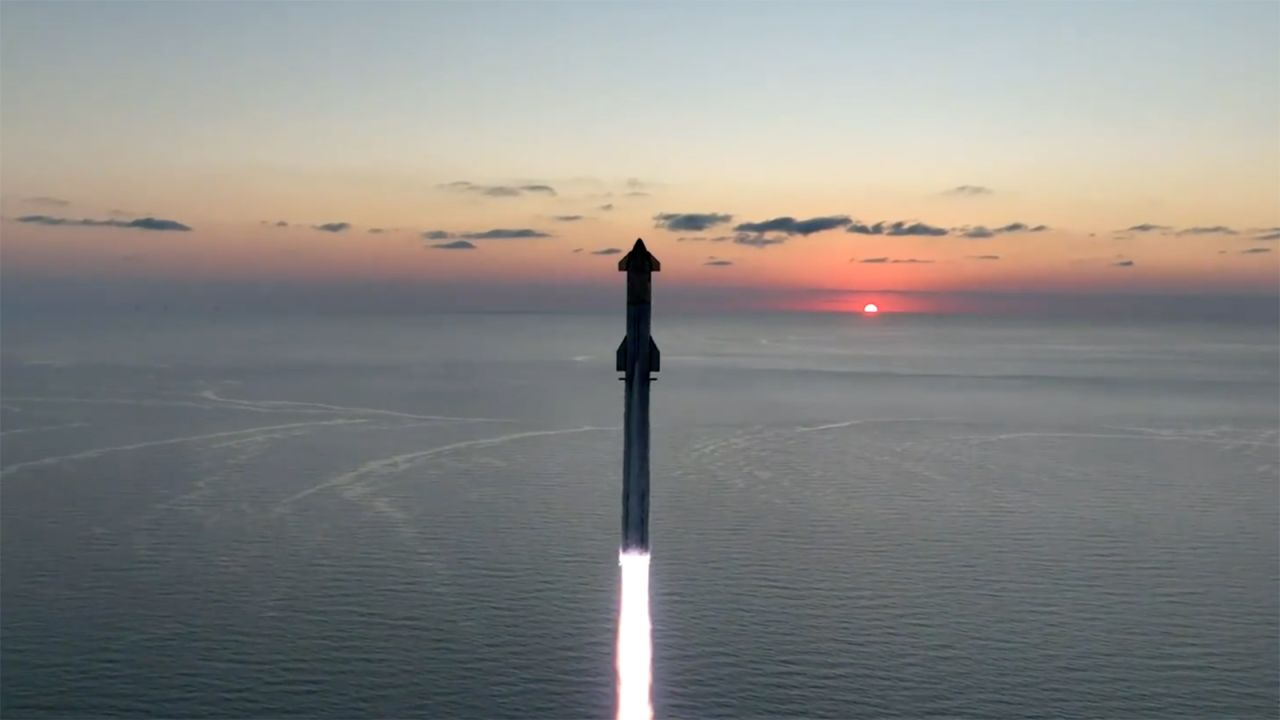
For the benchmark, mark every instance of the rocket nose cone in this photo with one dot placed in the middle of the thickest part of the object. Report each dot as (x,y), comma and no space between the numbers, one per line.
(641,258)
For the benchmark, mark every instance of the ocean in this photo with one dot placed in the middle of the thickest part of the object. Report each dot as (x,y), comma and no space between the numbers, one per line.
(218,515)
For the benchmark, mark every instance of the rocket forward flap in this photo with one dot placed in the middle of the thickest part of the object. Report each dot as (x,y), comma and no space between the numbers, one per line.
(655,356)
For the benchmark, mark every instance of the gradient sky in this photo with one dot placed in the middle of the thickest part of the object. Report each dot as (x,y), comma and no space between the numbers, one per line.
(1088,118)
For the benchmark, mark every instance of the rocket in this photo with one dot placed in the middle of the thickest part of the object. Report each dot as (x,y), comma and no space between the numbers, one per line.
(637,357)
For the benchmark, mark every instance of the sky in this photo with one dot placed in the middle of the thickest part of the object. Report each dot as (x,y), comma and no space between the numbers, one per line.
(786,155)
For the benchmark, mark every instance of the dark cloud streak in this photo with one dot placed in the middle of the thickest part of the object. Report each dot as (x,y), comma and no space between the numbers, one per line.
(788,225)
(146,223)
(689,222)
(455,245)
(898,228)
(505,234)
(969,191)
(498,190)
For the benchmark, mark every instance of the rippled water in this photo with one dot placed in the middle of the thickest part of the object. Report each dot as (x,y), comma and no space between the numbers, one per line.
(418,517)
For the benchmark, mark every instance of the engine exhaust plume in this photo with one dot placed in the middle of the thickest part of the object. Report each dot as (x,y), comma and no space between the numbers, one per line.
(635,649)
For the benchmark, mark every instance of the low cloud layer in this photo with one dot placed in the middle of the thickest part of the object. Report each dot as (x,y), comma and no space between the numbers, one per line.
(788,225)
(455,245)
(606,251)
(718,263)
(1255,251)
(1211,230)
(969,191)
(1146,228)
(982,231)
(899,228)
(689,222)
(333,227)
(984,257)
(146,223)
(505,234)
(758,241)
(716,239)
(892,261)
(495,234)
(1123,263)
(566,218)
(462,186)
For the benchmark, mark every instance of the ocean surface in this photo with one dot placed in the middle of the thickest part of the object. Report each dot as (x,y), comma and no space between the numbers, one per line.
(405,516)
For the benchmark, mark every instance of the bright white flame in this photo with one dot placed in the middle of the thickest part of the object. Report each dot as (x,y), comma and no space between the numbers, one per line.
(635,650)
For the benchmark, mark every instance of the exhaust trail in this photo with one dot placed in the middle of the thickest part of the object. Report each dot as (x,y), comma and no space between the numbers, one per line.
(637,357)
(635,643)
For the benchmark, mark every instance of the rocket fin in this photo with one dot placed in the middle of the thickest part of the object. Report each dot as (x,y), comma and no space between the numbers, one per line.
(655,357)
(622,355)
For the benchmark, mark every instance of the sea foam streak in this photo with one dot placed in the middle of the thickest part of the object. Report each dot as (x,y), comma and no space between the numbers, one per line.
(635,648)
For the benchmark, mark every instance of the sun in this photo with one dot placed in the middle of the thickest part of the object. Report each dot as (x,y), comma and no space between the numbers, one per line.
(870,309)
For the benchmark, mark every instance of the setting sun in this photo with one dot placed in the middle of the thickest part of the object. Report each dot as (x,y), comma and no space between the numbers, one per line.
(870,309)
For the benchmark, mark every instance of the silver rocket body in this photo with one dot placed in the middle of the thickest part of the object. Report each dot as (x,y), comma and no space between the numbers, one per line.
(637,357)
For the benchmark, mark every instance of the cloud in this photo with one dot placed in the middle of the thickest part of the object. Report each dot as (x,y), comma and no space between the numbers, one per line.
(376,231)
(333,227)
(757,241)
(146,223)
(969,191)
(46,201)
(895,261)
(899,228)
(436,235)
(1269,236)
(577,250)
(1017,227)
(566,218)
(1214,230)
(984,257)
(505,234)
(790,226)
(606,251)
(716,239)
(982,231)
(606,207)
(498,190)
(1255,251)
(1123,263)
(718,263)
(455,245)
(281,223)
(636,193)
(1147,227)
(689,222)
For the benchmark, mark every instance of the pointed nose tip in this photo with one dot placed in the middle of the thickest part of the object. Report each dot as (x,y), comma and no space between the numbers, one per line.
(639,244)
